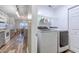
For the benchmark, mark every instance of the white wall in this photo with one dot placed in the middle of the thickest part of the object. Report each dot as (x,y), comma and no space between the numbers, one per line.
(45,11)
(11,21)
(61,14)
(34,30)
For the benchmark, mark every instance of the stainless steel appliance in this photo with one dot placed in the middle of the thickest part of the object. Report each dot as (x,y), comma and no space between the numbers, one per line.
(63,42)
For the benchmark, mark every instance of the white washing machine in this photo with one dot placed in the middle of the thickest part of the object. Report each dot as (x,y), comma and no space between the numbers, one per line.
(7,35)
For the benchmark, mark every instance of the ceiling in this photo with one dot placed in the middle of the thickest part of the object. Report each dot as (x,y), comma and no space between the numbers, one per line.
(23,10)
(11,10)
(50,6)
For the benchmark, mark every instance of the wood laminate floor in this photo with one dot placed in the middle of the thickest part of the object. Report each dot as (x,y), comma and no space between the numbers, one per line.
(15,45)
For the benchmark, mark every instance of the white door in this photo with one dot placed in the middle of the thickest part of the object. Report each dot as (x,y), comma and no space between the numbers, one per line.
(74,28)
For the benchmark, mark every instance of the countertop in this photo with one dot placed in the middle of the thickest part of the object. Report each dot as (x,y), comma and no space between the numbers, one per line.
(57,30)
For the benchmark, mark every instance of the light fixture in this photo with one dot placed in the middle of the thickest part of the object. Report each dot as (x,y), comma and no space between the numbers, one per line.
(29,16)
(39,12)
(17,14)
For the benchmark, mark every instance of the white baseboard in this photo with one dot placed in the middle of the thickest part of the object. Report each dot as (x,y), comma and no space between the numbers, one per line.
(74,49)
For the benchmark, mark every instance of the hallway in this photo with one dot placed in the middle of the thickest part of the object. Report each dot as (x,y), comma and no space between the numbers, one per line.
(14,21)
(15,45)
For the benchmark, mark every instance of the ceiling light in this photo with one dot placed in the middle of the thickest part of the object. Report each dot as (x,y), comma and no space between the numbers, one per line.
(29,16)
(17,14)
(39,12)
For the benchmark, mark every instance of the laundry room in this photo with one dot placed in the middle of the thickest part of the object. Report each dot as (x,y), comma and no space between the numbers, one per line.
(57,29)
